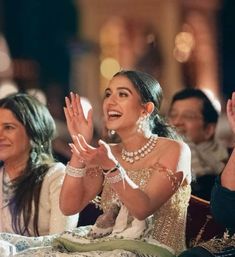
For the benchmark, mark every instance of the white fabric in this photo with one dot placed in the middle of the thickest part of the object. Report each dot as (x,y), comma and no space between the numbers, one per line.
(208,158)
(6,249)
(51,219)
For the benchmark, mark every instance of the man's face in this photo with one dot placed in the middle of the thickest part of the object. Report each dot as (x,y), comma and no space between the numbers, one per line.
(186,116)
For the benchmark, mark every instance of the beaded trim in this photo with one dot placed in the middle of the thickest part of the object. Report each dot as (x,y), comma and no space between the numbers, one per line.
(75,172)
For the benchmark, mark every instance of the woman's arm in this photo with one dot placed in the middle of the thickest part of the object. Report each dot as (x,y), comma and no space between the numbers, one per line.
(78,191)
(163,182)
(228,175)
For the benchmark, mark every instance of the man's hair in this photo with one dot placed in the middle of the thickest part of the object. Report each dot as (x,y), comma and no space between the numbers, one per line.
(209,113)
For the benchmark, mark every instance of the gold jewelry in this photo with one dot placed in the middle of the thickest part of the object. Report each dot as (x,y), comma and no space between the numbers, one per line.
(140,153)
(117,178)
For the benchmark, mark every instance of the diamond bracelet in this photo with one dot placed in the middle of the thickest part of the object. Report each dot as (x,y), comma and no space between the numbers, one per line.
(75,172)
(117,178)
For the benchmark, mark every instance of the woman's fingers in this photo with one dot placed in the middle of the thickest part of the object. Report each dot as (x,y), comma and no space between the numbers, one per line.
(75,99)
(68,106)
(90,118)
(79,106)
(231,111)
(72,105)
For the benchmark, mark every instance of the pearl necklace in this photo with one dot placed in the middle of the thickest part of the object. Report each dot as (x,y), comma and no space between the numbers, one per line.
(140,153)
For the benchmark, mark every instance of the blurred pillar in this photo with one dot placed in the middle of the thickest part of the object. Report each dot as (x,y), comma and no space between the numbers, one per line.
(202,17)
(172,75)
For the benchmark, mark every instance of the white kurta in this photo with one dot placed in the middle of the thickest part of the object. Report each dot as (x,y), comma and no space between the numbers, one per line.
(51,219)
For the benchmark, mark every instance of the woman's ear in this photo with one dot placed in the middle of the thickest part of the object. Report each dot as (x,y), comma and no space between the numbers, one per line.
(149,107)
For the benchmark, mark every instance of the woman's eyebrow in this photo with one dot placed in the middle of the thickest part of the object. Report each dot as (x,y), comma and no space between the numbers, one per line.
(125,88)
(119,88)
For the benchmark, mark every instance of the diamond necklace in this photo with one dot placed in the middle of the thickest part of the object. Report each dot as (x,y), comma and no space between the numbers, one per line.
(140,153)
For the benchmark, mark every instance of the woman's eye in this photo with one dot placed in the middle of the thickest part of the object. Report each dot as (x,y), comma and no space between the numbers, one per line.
(123,94)
(107,94)
(9,127)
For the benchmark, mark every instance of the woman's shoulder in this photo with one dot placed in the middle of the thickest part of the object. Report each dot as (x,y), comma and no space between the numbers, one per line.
(56,169)
(173,144)
(175,154)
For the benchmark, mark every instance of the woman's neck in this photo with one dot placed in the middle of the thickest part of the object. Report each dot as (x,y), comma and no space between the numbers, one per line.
(133,142)
(15,168)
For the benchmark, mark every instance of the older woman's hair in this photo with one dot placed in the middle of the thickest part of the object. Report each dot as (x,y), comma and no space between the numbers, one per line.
(40,128)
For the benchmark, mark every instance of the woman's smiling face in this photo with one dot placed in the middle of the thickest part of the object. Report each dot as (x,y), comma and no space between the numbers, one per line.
(14,141)
(122,104)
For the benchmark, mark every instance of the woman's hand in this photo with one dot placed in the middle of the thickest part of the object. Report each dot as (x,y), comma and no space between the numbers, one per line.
(231,112)
(77,123)
(93,156)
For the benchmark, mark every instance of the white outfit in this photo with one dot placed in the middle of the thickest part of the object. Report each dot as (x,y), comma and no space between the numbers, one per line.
(208,158)
(51,220)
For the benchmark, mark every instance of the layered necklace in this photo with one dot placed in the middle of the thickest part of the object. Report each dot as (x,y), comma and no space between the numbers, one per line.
(131,157)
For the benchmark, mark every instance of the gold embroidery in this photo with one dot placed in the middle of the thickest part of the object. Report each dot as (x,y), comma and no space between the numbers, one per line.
(216,245)
(170,218)
(169,174)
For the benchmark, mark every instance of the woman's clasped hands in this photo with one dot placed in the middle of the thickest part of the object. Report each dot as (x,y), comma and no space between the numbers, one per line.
(93,156)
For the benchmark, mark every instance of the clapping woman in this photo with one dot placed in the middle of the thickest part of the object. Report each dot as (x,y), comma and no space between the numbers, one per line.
(144,179)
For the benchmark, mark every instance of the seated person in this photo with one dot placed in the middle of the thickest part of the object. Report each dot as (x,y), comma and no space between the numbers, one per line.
(30,178)
(127,172)
(144,179)
(195,118)
(222,204)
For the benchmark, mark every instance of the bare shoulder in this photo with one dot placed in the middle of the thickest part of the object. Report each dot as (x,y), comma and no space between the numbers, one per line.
(172,151)
(172,145)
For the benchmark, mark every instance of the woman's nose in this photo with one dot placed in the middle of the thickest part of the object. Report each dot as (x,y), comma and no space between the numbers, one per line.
(112,99)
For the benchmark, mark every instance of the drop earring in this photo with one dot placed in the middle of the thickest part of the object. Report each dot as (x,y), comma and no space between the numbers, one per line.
(143,125)
(111,133)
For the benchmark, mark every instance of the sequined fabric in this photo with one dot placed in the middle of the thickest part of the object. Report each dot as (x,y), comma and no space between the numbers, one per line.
(170,219)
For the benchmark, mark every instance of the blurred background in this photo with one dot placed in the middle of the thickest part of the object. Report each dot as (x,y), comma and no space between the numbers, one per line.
(54,47)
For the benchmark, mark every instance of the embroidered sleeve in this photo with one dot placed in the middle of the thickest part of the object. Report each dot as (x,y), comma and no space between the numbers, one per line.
(171,176)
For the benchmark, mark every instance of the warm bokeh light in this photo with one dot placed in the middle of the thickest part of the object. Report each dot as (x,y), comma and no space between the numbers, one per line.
(184,44)
(39,94)
(108,67)
(7,88)
(214,100)
(5,61)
